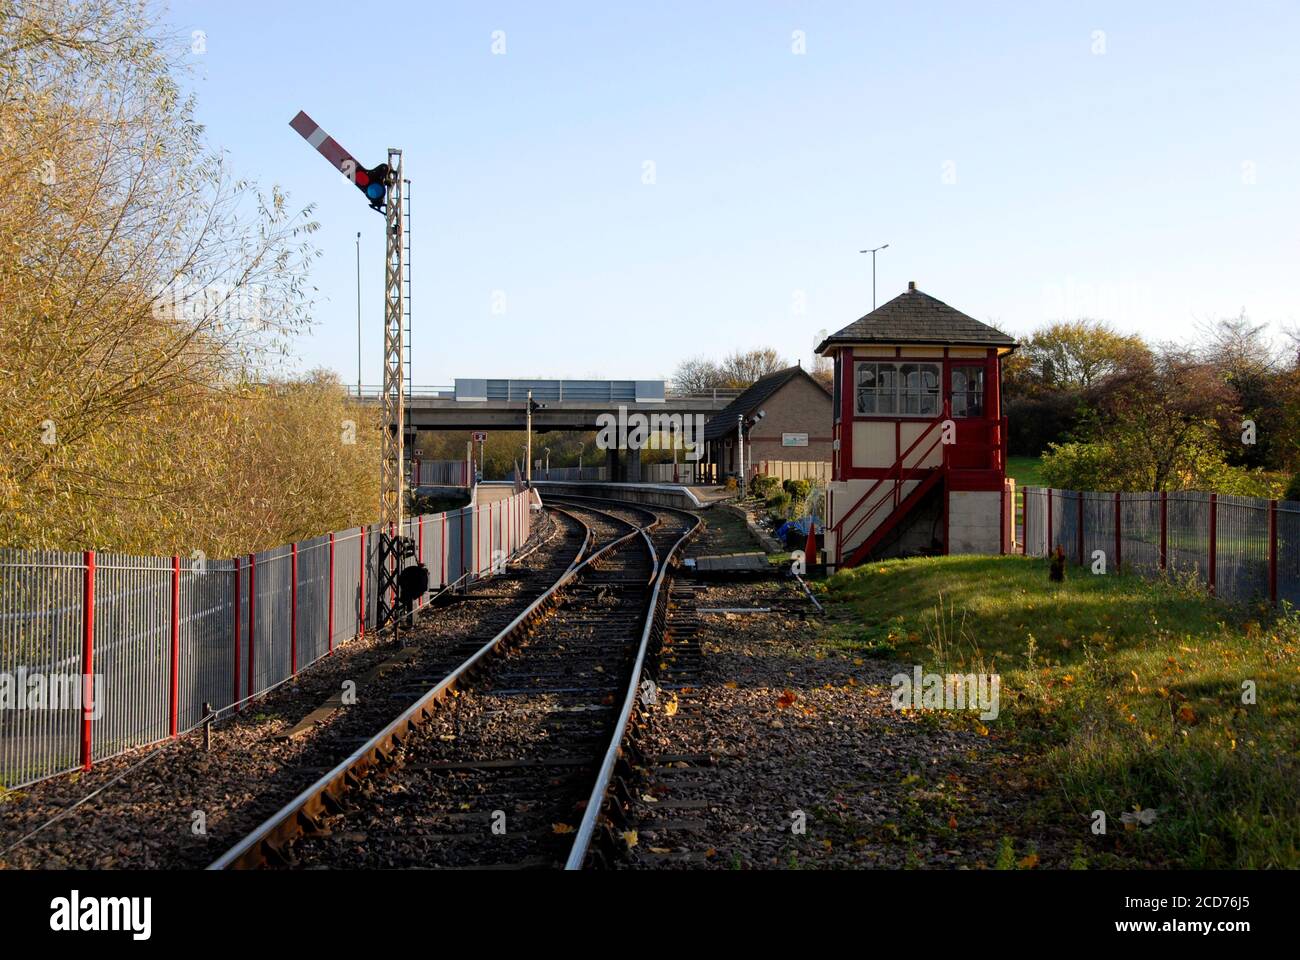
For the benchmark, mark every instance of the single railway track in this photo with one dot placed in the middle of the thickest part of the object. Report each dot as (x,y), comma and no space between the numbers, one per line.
(508,759)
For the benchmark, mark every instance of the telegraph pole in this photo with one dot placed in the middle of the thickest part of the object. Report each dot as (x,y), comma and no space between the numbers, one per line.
(528,455)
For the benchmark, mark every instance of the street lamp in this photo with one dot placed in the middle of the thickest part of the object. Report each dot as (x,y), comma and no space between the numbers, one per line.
(741,425)
(873,252)
(547,451)
(581,446)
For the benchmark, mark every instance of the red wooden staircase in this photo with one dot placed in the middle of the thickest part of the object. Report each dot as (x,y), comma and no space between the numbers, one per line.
(892,482)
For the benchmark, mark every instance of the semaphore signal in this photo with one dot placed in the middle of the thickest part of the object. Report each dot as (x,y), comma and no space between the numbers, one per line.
(372,181)
(383,188)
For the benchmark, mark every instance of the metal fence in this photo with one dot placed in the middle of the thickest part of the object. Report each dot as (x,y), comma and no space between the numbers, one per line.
(682,472)
(1240,548)
(101,653)
(440,473)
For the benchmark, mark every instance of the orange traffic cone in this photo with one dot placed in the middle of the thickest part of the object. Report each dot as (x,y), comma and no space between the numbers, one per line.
(810,550)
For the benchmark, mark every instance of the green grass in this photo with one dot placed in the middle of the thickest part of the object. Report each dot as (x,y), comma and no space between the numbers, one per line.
(1122,694)
(1026,471)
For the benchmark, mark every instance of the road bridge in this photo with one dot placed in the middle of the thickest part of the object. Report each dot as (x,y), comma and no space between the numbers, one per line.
(569,404)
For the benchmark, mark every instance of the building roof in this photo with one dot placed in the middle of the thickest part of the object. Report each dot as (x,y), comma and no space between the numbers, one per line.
(916,317)
(748,402)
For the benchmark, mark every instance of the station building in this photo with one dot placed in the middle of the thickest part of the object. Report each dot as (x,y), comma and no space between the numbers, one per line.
(791,439)
(918,441)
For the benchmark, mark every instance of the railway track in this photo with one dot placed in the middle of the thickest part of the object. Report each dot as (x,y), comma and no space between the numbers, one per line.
(126,813)
(508,761)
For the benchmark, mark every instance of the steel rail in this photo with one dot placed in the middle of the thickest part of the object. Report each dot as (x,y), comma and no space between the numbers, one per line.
(300,813)
(596,802)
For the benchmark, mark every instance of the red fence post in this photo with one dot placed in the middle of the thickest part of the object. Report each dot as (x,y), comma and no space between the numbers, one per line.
(237,618)
(1214,533)
(361,605)
(252,619)
(329,617)
(87,658)
(175,698)
(1272,552)
(293,610)
(1118,555)
(1164,529)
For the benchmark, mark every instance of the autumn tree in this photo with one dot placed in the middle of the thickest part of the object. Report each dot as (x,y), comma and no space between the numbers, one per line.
(148,299)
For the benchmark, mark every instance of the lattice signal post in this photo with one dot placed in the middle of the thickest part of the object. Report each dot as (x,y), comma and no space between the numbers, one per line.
(386,191)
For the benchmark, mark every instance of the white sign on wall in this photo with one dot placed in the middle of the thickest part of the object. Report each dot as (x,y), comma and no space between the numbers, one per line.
(794,439)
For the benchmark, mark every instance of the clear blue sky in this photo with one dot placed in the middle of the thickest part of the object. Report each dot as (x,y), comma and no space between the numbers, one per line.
(1113,184)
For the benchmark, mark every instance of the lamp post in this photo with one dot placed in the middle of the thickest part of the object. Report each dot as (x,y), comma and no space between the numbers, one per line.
(873,252)
(581,446)
(740,453)
(547,451)
(741,424)
(358,314)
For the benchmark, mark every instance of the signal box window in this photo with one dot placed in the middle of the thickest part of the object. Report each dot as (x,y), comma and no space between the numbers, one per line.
(968,391)
(904,389)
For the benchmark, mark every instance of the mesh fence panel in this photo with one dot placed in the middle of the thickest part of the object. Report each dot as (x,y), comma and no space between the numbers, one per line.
(1098,527)
(1288,552)
(41,625)
(207,651)
(1140,532)
(313,599)
(1188,534)
(133,611)
(1241,548)
(273,593)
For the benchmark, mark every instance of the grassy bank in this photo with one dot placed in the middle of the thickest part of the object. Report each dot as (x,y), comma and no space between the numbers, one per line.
(1122,695)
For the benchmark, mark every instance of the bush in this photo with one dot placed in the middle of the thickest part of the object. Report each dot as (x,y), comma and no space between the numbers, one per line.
(798,489)
(763,486)
(1081,466)
(778,504)
(1293,489)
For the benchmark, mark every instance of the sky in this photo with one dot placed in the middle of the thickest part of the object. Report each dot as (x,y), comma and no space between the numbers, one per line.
(603,189)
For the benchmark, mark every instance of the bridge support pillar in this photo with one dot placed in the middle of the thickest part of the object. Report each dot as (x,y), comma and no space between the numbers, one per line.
(611,464)
(634,465)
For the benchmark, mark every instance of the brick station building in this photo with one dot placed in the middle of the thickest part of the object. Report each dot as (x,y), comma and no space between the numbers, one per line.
(794,431)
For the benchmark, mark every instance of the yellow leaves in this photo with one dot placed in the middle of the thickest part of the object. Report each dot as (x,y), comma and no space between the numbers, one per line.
(1028,862)
(731,685)
(561,828)
(629,838)
(670,706)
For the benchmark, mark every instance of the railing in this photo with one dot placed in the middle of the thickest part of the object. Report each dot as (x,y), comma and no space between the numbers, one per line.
(897,474)
(136,649)
(1239,548)
(684,472)
(371,391)
(440,473)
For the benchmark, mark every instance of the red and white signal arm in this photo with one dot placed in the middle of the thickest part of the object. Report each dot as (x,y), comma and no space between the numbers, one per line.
(480,436)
